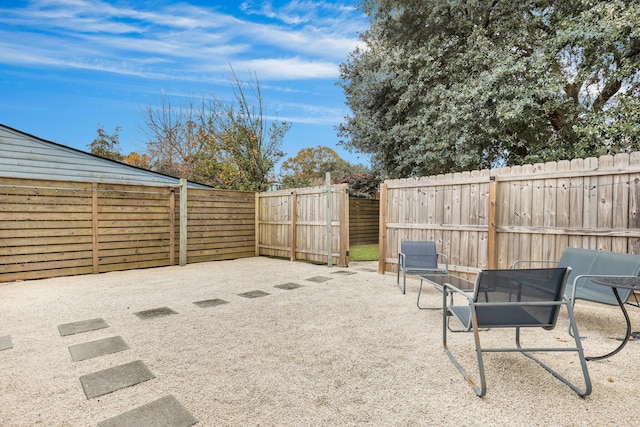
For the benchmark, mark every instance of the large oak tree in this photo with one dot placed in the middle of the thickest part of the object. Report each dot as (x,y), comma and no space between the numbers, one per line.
(442,86)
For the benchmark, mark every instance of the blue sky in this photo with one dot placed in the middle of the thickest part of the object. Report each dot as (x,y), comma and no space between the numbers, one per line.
(70,66)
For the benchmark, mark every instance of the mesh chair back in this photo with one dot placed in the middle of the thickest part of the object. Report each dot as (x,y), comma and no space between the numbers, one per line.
(519,286)
(419,255)
(595,262)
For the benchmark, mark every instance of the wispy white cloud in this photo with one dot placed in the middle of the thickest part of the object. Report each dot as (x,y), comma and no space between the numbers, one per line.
(102,58)
(128,39)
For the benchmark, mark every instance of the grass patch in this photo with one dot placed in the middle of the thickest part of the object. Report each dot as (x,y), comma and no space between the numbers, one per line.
(364,252)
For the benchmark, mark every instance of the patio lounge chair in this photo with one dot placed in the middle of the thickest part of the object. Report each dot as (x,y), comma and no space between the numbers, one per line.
(513,298)
(418,257)
(589,264)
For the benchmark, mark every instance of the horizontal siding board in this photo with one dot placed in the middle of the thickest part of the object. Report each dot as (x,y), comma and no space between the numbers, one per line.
(59,255)
(46,265)
(26,156)
(27,247)
(43,274)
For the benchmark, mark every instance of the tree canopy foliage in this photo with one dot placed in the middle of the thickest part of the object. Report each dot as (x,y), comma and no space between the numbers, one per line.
(226,145)
(310,165)
(105,145)
(466,84)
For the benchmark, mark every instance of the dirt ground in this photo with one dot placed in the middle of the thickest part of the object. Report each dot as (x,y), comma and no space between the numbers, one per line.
(351,350)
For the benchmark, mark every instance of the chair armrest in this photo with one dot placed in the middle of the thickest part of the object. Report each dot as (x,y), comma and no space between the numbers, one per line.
(522,261)
(401,260)
(446,261)
(448,288)
(583,277)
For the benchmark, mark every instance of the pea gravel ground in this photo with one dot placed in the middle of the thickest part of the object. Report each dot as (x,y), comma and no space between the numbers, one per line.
(348,351)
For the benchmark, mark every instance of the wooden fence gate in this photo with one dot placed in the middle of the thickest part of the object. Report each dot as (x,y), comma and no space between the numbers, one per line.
(305,224)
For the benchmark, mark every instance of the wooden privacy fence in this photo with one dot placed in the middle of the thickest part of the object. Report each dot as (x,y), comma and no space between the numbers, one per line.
(490,218)
(53,228)
(304,224)
(364,217)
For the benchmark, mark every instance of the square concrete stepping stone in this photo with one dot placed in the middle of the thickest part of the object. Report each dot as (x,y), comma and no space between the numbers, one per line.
(253,294)
(369,270)
(344,272)
(319,279)
(288,286)
(155,312)
(89,350)
(164,412)
(5,343)
(82,326)
(112,379)
(210,303)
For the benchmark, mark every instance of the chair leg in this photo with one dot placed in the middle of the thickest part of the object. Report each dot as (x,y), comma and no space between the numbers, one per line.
(480,389)
(403,288)
(578,349)
(418,300)
(404,275)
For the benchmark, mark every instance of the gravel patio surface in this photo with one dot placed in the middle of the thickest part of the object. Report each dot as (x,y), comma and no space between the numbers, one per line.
(266,346)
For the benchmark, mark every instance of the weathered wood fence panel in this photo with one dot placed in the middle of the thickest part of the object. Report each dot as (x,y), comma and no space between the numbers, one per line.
(221,225)
(134,228)
(45,227)
(52,228)
(490,218)
(364,218)
(294,224)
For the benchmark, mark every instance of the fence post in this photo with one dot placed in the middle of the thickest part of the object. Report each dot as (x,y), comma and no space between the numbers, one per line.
(492,236)
(344,227)
(293,213)
(382,230)
(183,222)
(329,215)
(172,225)
(257,223)
(94,227)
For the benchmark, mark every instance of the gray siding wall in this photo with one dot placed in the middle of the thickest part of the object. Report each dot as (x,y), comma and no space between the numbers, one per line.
(26,156)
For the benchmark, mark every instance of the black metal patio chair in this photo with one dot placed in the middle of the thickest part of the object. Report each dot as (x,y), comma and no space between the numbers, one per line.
(513,298)
(419,257)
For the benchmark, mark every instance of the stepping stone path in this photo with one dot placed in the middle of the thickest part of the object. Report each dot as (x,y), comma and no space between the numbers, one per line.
(288,286)
(5,343)
(113,379)
(344,272)
(210,303)
(319,279)
(162,412)
(166,411)
(155,312)
(82,326)
(253,294)
(92,349)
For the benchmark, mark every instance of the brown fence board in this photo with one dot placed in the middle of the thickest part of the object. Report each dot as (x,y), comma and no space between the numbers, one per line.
(539,210)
